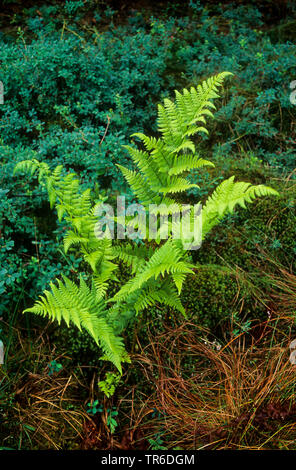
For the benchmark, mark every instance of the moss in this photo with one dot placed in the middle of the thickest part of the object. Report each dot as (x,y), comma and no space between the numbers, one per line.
(210,298)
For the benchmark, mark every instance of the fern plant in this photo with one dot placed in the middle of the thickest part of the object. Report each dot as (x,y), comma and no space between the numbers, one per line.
(157,273)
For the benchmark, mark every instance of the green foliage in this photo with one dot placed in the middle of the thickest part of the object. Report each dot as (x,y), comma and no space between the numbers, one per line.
(174,154)
(62,80)
(111,419)
(78,81)
(266,227)
(108,386)
(59,92)
(226,196)
(81,307)
(94,407)
(157,277)
(162,168)
(156,443)
(54,367)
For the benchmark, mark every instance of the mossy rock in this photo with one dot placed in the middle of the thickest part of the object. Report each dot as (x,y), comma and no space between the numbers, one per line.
(210,298)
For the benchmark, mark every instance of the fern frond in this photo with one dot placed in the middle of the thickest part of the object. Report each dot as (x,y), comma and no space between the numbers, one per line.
(71,239)
(165,294)
(139,186)
(175,120)
(168,259)
(133,256)
(165,159)
(186,163)
(226,196)
(79,305)
(177,185)
(30,167)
